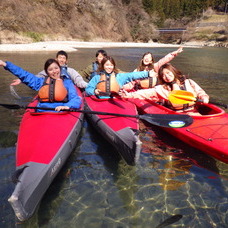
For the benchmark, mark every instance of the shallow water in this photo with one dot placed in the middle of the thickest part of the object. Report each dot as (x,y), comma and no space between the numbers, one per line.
(95,189)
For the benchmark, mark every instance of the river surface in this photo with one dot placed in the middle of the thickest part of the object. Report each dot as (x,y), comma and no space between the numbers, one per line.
(94,189)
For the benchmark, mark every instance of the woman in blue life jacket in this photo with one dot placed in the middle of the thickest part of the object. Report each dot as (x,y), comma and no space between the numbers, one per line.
(55,91)
(109,81)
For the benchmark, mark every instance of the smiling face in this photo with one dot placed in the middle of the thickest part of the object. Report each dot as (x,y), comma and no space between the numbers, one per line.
(147,59)
(108,67)
(62,60)
(53,70)
(167,75)
(99,58)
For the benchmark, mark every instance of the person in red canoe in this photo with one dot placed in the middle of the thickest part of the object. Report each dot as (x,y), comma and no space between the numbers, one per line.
(88,72)
(108,80)
(171,79)
(148,63)
(62,58)
(55,91)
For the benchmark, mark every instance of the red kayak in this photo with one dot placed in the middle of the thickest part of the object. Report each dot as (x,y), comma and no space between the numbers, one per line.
(45,141)
(208,132)
(121,132)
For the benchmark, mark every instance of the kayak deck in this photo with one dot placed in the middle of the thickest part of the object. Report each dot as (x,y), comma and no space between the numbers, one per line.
(208,132)
(45,141)
(121,132)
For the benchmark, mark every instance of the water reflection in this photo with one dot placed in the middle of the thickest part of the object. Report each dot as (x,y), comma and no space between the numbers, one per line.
(8,139)
(171,170)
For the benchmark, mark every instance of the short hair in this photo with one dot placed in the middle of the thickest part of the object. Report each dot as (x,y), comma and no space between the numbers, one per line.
(62,53)
(48,63)
(101,51)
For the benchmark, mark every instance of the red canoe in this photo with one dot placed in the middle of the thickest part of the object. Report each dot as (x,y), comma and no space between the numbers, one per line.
(45,141)
(208,133)
(120,131)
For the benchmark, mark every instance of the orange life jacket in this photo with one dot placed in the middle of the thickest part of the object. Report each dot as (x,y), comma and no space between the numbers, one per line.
(108,84)
(53,90)
(148,82)
(180,107)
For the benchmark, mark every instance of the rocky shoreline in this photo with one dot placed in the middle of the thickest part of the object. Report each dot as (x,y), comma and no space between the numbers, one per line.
(216,44)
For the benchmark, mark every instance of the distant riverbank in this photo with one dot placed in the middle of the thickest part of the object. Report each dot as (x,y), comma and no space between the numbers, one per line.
(71,46)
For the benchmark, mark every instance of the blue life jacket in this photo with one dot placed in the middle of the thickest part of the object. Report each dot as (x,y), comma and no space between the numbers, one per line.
(95,67)
(64,72)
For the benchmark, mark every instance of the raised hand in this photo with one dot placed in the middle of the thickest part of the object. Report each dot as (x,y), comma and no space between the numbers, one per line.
(179,50)
(16,82)
(2,63)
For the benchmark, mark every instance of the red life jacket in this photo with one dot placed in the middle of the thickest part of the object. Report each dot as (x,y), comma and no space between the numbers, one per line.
(53,90)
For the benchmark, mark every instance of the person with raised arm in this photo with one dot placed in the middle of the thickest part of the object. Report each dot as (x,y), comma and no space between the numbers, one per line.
(54,91)
(109,81)
(62,59)
(147,63)
(171,79)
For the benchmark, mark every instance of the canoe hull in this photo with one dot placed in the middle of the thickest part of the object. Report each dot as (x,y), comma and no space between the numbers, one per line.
(208,133)
(45,141)
(121,132)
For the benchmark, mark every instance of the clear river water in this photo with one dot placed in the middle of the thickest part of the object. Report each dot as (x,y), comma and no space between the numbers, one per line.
(94,189)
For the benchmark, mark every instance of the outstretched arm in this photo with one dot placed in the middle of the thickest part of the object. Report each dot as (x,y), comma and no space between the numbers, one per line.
(26,77)
(17,81)
(179,50)
(167,58)
(91,87)
(2,63)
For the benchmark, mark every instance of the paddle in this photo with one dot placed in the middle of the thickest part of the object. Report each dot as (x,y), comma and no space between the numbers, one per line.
(184,97)
(170,221)
(161,120)
(14,93)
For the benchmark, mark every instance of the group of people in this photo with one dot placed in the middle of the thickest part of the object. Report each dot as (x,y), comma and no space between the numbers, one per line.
(150,80)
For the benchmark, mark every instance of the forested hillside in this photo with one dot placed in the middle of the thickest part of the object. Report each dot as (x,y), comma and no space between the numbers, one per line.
(91,20)
(180,9)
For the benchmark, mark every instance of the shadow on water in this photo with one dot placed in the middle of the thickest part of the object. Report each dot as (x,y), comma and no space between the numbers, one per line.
(105,150)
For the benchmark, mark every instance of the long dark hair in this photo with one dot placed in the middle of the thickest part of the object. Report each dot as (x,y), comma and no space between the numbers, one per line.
(48,63)
(142,66)
(104,60)
(177,73)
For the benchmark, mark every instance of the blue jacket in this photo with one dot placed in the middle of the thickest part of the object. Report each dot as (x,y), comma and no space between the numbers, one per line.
(95,67)
(35,83)
(122,79)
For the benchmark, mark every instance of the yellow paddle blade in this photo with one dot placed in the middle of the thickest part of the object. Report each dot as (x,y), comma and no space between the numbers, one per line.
(182,92)
(181,97)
